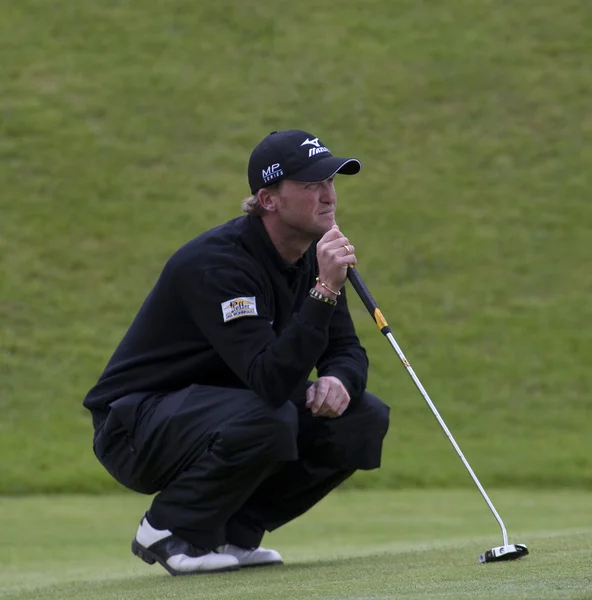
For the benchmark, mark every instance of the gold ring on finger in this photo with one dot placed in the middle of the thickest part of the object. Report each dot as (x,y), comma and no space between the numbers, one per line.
(347,249)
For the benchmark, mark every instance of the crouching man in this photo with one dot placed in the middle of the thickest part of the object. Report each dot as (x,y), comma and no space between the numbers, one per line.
(207,399)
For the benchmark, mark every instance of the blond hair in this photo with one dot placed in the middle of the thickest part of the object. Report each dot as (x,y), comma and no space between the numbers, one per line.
(251,204)
(252,207)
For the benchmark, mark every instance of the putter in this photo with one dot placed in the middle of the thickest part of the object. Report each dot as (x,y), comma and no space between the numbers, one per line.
(507,551)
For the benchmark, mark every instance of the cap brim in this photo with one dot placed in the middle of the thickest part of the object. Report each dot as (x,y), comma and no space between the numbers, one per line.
(326,168)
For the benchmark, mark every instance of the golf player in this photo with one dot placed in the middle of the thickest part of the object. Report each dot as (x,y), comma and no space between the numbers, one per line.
(207,401)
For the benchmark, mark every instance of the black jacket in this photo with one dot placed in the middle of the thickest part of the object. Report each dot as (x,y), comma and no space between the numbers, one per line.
(188,331)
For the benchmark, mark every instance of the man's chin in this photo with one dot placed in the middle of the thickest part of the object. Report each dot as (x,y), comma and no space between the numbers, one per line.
(319,232)
(326,222)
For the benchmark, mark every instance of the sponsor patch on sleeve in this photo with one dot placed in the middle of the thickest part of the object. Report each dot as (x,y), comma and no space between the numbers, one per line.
(239,307)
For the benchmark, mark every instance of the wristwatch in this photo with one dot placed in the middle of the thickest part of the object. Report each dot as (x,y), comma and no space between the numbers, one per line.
(321,297)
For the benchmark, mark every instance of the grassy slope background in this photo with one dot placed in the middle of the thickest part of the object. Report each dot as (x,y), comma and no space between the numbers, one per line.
(125,127)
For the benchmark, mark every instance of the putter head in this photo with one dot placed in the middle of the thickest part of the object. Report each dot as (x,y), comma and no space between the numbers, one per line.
(509,552)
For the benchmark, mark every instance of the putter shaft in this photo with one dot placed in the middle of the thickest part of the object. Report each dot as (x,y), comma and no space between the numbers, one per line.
(378,317)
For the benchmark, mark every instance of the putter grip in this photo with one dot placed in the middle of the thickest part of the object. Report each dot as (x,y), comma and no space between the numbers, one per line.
(367,299)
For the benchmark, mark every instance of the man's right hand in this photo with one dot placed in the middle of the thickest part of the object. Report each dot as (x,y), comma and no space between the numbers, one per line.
(334,255)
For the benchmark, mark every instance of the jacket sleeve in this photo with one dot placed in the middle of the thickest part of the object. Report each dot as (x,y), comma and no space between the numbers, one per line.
(344,357)
(275,367)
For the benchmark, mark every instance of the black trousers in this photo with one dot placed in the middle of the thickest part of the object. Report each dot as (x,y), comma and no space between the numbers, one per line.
(227,465)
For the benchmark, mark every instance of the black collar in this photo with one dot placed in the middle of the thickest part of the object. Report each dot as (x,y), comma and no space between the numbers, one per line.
(259,242)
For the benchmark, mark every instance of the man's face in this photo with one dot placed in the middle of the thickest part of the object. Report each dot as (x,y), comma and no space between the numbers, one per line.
(308,207)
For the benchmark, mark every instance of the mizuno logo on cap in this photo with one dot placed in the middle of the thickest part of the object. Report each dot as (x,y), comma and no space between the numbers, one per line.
(317,148)
(314,151)
(314,142)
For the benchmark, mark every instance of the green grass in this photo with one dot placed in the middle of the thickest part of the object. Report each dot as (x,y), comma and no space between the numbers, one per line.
(353,545)
(125,128)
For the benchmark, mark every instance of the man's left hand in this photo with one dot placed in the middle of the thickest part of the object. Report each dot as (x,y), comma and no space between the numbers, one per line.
(327,397)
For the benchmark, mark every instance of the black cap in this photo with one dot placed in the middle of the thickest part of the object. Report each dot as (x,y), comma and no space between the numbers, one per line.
(297,155)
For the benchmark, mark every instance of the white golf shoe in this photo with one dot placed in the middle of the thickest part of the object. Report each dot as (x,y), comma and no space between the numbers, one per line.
(252,557)
(177,556)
